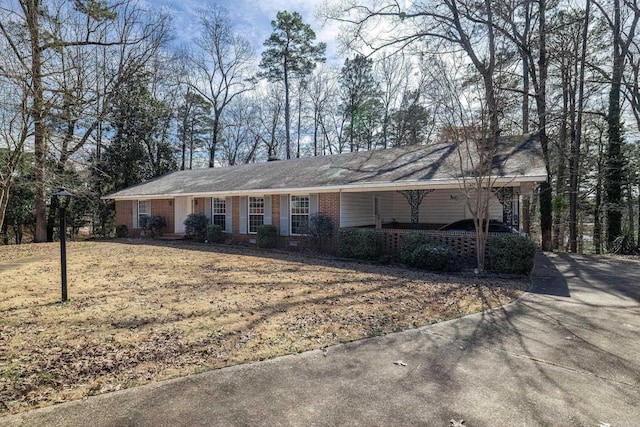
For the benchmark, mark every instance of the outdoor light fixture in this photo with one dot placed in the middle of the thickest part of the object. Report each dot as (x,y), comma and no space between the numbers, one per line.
(63,198)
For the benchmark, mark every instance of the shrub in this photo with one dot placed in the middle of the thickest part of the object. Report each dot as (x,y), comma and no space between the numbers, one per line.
(319,227)
(214,233)
(434,257)
(195,227)
(409,243)
(153,224)
(267,236)
(624,244)
(511,253)
(122,231)
(360,243)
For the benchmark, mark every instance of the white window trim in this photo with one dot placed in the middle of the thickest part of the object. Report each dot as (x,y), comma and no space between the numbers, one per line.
(147,208)
(291,196)
(215,212)
(249,214)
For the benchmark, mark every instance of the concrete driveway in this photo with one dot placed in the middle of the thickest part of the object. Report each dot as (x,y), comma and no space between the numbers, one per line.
(565,354)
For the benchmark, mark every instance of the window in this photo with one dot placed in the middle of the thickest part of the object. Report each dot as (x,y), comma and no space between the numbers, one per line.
(219,212)
(143,212)
(299,214)
(256,213)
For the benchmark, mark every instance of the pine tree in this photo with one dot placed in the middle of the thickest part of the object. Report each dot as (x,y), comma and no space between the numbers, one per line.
(290,54)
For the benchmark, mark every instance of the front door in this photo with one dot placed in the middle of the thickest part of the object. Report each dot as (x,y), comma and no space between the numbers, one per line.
(183,207)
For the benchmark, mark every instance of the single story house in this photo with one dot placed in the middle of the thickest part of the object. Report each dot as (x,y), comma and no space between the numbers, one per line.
(383,189)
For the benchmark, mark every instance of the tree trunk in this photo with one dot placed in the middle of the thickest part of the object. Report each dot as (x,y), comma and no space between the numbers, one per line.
(541,104)
(615,160)
(37,112)
(575,155)
(214,139)
(287,113)
(299,122)
(638,244)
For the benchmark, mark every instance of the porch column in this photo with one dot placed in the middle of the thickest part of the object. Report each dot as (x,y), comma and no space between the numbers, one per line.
(505,197)
(414,197)
(526,191)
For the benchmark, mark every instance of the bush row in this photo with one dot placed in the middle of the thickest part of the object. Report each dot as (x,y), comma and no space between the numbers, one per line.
(508,253)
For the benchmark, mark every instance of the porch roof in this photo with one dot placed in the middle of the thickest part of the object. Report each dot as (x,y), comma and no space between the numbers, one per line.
(517,159)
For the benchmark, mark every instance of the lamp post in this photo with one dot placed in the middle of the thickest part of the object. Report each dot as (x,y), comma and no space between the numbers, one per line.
(63,197)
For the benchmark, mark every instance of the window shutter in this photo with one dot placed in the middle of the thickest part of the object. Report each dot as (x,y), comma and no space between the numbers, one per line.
(267,210)
(207,209)
(134,204)
(228,221)
(243,214)
(284,214)
(314,204)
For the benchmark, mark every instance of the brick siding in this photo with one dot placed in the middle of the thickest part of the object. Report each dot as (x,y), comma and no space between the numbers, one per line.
(164,208)
(124,213)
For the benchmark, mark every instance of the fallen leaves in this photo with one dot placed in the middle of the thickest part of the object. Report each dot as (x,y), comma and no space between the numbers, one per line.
(145,312)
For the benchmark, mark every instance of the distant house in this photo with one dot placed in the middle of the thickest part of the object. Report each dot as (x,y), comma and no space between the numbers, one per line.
(363,189)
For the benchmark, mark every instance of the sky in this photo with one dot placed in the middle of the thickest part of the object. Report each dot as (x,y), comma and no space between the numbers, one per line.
(251,19)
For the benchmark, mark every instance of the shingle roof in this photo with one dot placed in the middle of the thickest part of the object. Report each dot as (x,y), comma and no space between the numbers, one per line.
(517,159)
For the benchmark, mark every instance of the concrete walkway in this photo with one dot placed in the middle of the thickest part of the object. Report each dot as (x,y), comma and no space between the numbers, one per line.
(565,354)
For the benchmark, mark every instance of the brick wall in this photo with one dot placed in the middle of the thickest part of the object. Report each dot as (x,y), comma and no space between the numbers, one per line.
(235,213)
(463,242)
(198,205)
(124,213)
(329,205)
(164,208)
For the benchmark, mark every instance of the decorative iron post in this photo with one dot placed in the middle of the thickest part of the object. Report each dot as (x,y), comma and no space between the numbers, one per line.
(63,197)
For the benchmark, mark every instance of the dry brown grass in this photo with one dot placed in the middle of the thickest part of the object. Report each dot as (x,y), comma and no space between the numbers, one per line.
(145,311)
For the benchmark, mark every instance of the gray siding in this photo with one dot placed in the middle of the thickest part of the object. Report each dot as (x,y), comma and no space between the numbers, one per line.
(267,210)
(207,209)
(438,207)
(356,209)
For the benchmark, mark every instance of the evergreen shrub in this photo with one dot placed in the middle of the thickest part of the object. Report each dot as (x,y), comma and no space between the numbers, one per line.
(434,257)
(267,236)
(360,243)
(195,227)
(511,253)
(122,231)
(214,233)
(409,243)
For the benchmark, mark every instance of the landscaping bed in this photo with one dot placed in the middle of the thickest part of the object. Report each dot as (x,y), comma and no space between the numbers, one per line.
(142,311)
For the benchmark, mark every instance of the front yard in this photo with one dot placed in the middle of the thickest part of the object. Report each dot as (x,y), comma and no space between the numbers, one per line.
(142,311)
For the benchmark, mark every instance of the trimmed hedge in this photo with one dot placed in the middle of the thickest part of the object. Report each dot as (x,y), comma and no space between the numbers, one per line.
(267,236)
(214,233)
(511,253)
(360,243)
(195,227)
(434,257)
(409,243)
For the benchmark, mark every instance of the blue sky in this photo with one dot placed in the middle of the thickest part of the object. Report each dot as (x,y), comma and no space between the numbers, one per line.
(251,18)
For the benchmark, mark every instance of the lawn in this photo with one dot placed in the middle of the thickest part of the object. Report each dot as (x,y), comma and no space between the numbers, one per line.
(142,311)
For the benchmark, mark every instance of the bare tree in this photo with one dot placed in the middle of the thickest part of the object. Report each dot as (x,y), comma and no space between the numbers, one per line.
(221,69)
(15,128)
(623,18)
(36,32)
(447,25)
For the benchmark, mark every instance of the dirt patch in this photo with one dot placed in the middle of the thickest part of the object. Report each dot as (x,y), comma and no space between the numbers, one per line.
(139,312)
